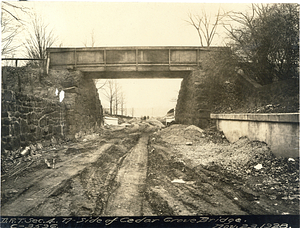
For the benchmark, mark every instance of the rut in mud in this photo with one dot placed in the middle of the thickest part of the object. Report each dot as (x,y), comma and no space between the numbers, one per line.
(143,171)
(86,194)
(127,199)
(179,186)
(175,189)
(80,184)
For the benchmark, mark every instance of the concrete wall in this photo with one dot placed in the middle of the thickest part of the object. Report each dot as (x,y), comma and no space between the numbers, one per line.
(280,131)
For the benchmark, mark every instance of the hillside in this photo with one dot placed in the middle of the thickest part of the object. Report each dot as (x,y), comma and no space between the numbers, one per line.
(278,97)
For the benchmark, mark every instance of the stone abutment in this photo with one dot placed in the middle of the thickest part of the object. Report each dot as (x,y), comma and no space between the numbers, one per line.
(33,113)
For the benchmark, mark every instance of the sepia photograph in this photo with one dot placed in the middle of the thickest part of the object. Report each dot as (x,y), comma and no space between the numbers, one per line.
(149,114)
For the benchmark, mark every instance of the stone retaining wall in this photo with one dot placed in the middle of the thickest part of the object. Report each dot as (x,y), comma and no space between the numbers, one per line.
(28,119)
(32,113)
(192,105)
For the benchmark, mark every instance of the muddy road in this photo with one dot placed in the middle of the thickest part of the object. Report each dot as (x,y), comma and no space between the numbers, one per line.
(131,170)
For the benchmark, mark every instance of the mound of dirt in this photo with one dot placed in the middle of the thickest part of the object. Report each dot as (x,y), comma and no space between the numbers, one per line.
(155,123)
(252,161)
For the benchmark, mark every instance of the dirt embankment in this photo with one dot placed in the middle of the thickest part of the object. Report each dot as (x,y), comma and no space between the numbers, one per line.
(203,174)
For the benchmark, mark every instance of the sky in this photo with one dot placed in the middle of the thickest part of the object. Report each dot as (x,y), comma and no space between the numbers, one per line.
(126,23)
(130,24)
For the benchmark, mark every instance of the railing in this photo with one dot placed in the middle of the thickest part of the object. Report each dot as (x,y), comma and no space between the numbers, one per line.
(127,58)
(26,59)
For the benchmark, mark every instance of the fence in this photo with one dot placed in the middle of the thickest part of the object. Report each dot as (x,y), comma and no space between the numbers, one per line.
(22,59)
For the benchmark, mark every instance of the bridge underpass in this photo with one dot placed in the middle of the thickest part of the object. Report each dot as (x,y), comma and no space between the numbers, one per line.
(144,62)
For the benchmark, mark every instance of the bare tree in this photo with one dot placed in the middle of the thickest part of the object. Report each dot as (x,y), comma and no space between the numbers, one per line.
(205,28)
(11,26)
(39,39)
(93,40)
(112,91)
(122,103)
(117,99)
(109,93)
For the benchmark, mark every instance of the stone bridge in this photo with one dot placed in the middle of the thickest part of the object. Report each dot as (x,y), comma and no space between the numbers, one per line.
(129,62)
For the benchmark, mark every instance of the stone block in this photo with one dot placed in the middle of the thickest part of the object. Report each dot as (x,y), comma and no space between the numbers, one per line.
(5,121)
(20,97)
(23,137)
(4,130)
(32,128)
(56,114)
(16,128)
(4,114)
(48,109)
(23,116)
(48,137)
(51,121)
(39,104)
(11,107)
(43,122)
(7,145)
(32,103)
(8,96)
(15,143)
(31,138)
(17,114)
(28,104)
(45,130)
(24,143)
(23,109)
(46,143)
(4,139)
(38,134)
(31,117)
(3,146)
(50,129)
(57,130)
(24,126)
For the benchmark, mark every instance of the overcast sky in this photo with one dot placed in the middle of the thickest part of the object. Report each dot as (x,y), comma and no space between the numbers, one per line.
(131,24)
(126,24)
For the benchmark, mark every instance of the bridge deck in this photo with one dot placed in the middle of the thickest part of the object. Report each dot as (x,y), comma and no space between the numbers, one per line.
(129,62)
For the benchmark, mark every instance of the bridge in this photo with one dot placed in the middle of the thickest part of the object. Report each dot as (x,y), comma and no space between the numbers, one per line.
(129,62)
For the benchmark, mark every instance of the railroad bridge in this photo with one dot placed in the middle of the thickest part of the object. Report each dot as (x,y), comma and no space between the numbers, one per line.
(139,62)
(130,62)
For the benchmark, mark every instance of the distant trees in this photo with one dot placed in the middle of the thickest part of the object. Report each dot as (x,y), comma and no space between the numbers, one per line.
(267,41)
(112,91)
(109,93)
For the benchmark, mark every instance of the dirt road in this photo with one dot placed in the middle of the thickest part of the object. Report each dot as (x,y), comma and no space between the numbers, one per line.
(132,171)
(127,199)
